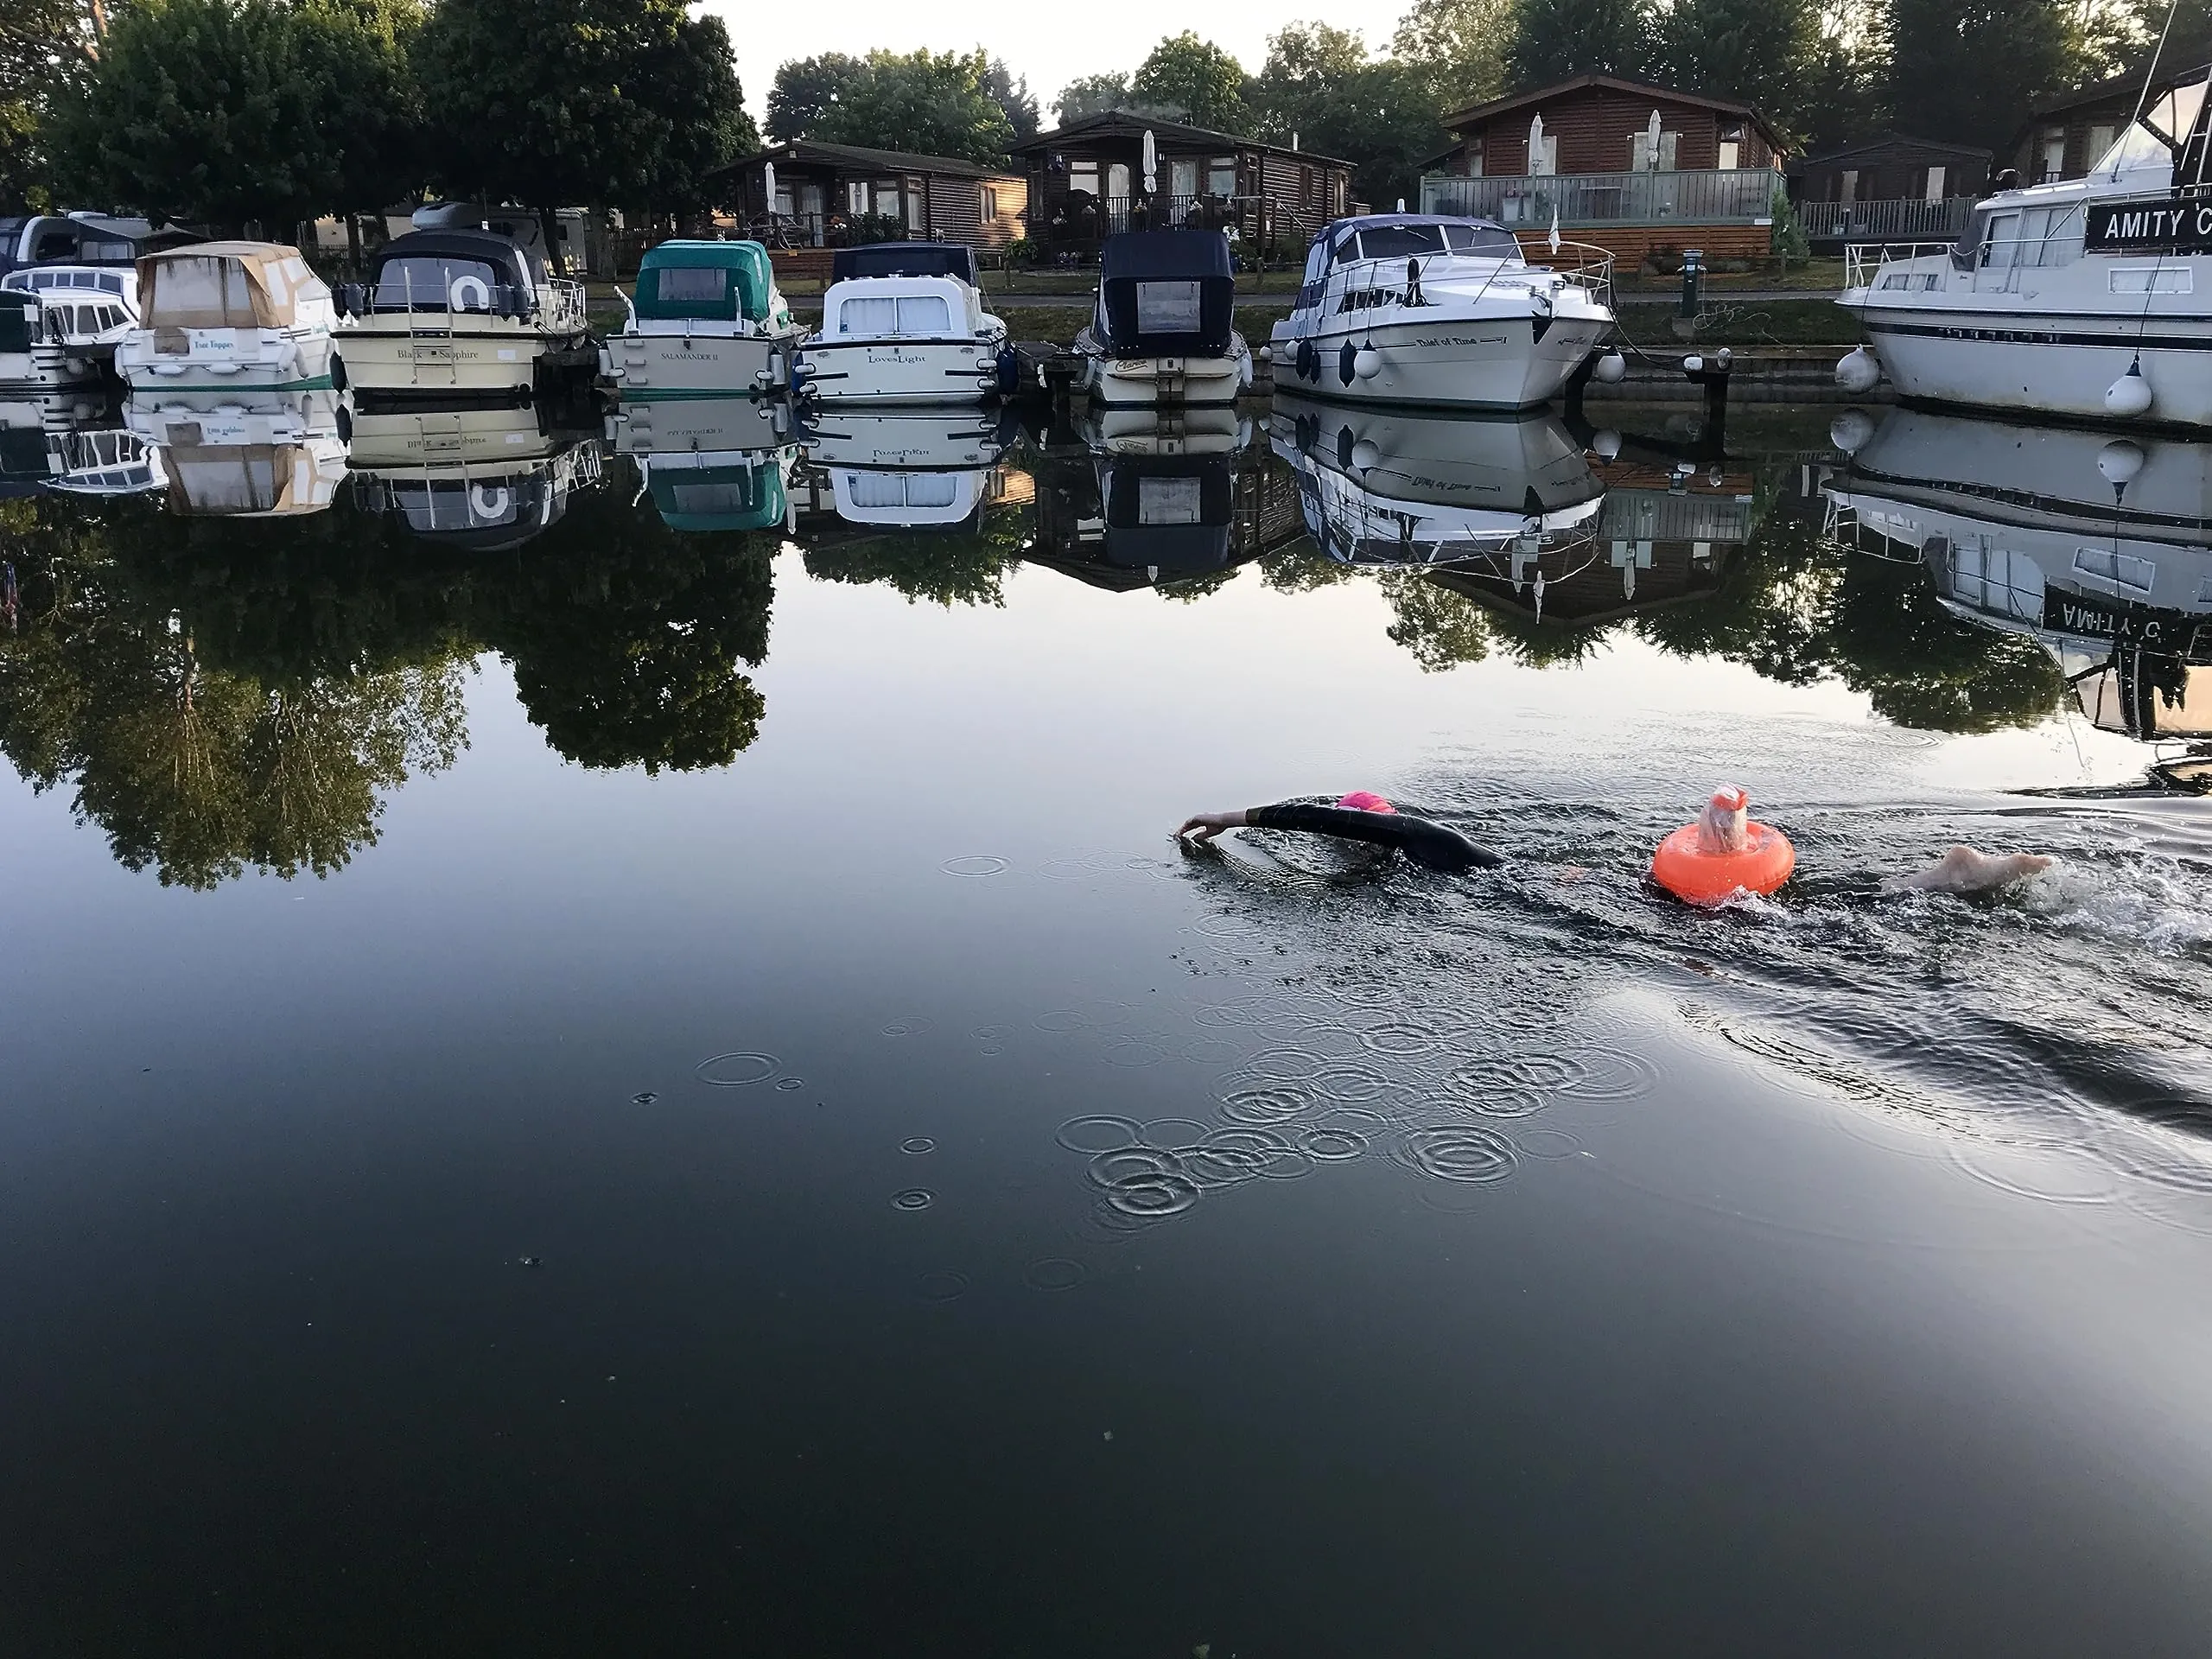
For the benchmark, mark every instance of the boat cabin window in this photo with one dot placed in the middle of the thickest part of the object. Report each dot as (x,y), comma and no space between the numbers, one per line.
(1168,309)
(210,287)
(58,244)
(104,251)
(437,282)
(692,284)
(903,489)
(918,313)
(1398,241)
(1487,241)
(2138,147)
(1317,261)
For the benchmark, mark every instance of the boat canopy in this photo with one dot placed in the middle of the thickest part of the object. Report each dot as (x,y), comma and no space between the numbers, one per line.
(1170,514)
(247,480)
(747,495)
(905,259)
(705,282)
(1166,293)
(226,285)
(449,270)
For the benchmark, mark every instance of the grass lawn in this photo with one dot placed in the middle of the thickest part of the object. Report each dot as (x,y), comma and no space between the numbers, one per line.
(1750,322)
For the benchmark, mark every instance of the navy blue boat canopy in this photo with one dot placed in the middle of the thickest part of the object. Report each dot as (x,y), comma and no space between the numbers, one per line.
(1166,293)
(1169,514)
(905,259)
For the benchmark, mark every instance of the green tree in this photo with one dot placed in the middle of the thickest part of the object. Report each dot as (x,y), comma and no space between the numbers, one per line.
(1847,87)
(936,103)
(1762,52)
(1442,628)
(1092,95)
(1319,83)
(357,53)
(208,110)
(1552,40)
(1968,70)
(554,103)
(42,51)
(1456,50)
(1196,78)
(1012,96)
(805,91)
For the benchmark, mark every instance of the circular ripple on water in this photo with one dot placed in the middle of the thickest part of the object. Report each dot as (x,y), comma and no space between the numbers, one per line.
(906,1026)
(1360,994)
(942,1285)
(1053,1272)
(1547,1144)
(739,1070)
(918,1145)
(2051,1174)
(1210,1051)
(787,1084)
(1610,1074)
(1274,1104)
(1350,1085)
(1225,926)
(914,1197)
(1152,1197)
(1333,1146)
(1137,1163)
(1098,1132)
(1236,1153)
(1131,1051)
(1070,869)
(1243,1012)
(1285,1063)
(1458,1151)
(1398,1037)
(644,1097)
(976,865)
(1175,1133)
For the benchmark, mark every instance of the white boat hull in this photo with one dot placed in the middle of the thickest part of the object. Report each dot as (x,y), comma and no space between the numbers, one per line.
(963,371)
(50,368)
(643,366)
(1164,382)
(1482,363)
(489,360)
(219,359)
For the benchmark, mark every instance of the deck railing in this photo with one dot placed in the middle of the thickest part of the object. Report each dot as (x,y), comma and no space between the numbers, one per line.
(1743,195)
(1885,221)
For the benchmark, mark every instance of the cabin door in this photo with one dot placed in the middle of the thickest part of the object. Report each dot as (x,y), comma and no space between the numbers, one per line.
(2000,254)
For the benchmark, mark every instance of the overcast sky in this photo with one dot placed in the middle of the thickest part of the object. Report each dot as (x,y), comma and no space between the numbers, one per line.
(1051,42)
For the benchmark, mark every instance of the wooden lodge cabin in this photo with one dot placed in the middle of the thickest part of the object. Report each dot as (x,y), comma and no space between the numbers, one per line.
(1890,187)
(829,196)
(1086,177)
(1709,183)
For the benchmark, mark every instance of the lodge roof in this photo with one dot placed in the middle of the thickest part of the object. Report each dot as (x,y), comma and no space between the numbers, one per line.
(1890,138)
(1467,117)
(1109,124)
(856,156)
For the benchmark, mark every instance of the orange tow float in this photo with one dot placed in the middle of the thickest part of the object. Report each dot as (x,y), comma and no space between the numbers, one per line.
(1723,853)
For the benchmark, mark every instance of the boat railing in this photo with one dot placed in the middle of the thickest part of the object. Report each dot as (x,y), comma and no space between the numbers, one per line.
(1863,260)
(1583,265)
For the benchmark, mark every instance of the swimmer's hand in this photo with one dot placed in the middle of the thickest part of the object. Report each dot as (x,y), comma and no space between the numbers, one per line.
(1963,869)
(1204,826)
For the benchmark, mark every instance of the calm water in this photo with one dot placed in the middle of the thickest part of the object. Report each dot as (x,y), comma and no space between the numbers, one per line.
(610,1053)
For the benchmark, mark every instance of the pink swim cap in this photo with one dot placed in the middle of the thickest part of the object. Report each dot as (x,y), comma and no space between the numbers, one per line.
(1366,800)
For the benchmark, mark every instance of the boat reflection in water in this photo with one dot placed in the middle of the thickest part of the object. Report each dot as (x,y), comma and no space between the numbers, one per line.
(1516,513)
(914,468)
(711,463)
(43,435)
(2098,548)
(1127,501)
(483,478)
(244,454)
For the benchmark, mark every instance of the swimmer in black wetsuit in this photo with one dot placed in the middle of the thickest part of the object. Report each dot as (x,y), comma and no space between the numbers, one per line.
(1359,816)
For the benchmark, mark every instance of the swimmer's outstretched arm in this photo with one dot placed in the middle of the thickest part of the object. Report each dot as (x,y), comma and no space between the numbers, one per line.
(1966,870)
(1426,843)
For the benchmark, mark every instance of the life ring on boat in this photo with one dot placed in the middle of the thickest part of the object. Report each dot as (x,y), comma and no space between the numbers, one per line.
(489,503)
(1700,878)
(460,290)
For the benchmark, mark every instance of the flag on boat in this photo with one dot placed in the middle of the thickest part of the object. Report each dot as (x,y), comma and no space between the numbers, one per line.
(1554,227)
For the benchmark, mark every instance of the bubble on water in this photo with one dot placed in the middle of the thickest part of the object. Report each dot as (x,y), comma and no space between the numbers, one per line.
(1398,1037)
(942,1285)
(739,1070)
(1331,1146)
(914,1197)
(906,1026)
(976,865)
(1458,1151)
(1097,1133)
(917,1144)
(644,1097)
(1054,1273)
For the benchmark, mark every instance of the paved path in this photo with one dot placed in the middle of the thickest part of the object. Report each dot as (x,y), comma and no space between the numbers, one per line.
(1081,301)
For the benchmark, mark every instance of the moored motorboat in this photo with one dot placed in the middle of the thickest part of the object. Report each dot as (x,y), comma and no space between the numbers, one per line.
(459,314)
(1163,328)
(903,322)
(2090,298)
(1426,309)
(705,320)
(73,319)
(711,463)
(248,316)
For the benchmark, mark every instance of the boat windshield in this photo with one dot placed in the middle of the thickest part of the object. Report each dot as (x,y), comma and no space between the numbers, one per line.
(438,282)
(1414,241)
(2137,147)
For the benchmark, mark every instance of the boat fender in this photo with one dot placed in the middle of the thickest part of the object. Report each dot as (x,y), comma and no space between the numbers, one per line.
(1612,369)
(1009,369)
(466,293)
(1345,447)
(1366,363)
(1366,454)
(1347,362)
(2129,396)
(1245,370)
(2118,463)
(1850,431)
(1859,372)
(1267,353)
(1723,853)
(337,372)
(1606,443)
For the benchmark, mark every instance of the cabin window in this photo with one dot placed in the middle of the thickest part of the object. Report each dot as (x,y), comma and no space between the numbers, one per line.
(1171,501)
(1221,176)
(99,251)
(1543,158)
(916,202)
(1732,149)
(1481,240)
(435,283)
(2053,155)
(1083,177)
(902,489)
(886,197)
(692,283)
(2108,564)
(2101,139)
(1401,241)
(987,212)
(1305,186)
(856,197)
(207,288)
(1935,188)
(1317,261)
(1847,186)
(1474,158)
(1183,179)
(1117,183)
(1639,151)
(1168,308)
(54,244)
(918,313)
(2151,279)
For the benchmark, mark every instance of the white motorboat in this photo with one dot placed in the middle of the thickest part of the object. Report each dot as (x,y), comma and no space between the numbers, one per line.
(1401,487)
(1424,309)
(903,322)
(244,315)
(52,338)
(227,418)
(483,478)
(707,320)
(460,313)
(2089,298)
(916,468)
(1163,328)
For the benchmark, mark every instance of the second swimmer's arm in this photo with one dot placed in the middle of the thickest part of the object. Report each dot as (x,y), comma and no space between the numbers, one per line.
(1204,826)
